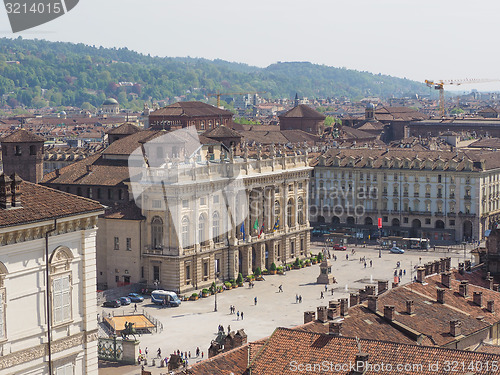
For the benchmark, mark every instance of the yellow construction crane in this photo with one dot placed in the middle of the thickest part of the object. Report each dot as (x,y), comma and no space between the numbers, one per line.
(439,85)
(219,94)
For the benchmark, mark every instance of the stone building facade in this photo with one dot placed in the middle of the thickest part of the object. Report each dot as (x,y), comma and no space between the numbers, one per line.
(441,195)
(303,117)
(48,314)
(193,235)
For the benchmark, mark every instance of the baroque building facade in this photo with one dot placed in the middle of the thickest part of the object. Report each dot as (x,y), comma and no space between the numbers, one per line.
(445,196)
(229,215)
(48,314)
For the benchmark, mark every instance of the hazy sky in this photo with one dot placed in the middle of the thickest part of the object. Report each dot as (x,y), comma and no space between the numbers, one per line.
(424,39)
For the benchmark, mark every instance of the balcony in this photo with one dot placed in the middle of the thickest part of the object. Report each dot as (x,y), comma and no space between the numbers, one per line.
(161,251)
(467,214)
(452,195)
(416,195)
(427,195)
(467,197)
(451,214)
(440,195)
(438,214)
(405,194)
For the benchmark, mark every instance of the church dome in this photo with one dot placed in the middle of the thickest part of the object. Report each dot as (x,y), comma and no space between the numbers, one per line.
(110,101)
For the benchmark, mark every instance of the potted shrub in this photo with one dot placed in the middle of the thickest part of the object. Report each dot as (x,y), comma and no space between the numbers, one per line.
(265,271)
(250,277)
(296,264)
(205,293)
(193,297)
(280,270)
(314,260)
(273,269)
(307,263)
(258,274)
(320,257)
(228,285)
(239,280)
(220,289)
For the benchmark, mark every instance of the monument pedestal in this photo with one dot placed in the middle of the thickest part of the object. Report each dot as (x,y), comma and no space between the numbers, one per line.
(325,273)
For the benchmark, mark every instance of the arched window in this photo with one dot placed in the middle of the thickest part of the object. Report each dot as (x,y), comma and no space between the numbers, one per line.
(216,227)
(300,208)
(185,231)
(201,229)
(289,213)
(157,232)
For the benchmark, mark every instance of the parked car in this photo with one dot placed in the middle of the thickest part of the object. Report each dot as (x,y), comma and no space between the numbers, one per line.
(134,297)
(338,247)
(397,250)
(124,301)
(112,303)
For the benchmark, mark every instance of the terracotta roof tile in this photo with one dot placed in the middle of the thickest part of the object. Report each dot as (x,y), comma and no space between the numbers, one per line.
(43,203)
(22,135)
(190,109)
(303,111)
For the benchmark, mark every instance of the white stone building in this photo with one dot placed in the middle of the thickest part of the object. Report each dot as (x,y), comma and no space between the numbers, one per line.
(445,196)
(48,315)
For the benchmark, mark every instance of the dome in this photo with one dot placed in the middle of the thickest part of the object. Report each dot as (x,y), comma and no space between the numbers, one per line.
(62,113)
(110,101)
(370,106)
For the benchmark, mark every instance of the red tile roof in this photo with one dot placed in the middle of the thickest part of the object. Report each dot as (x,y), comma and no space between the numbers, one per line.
(303,111)
(191,109)
(43,203)
(22,135)
(287,348)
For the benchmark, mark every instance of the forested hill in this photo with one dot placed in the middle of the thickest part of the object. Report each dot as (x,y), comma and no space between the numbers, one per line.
(37,73)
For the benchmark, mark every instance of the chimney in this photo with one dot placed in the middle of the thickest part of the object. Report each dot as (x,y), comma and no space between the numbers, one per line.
(442,264)
(489,279)
(309,316)
(89,168)
(496,287)
(322,314)
(461,268)
(463,288)
(354,299)
(335,328)
(335,307)
(361,364)
(58,172)
(389,312)
(421,274)
(468,265)
(448,263)
(477,298)
(382,286)
(455,327)
(370,290)
(446,279)
(491,306)
(410,310)
(344,305)
(5,192)
(440,294)
(372,303)
(15,189)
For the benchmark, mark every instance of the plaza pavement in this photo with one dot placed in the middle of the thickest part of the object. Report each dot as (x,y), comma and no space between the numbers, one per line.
(194,323)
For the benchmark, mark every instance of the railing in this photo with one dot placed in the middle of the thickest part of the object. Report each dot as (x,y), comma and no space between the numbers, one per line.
(110,349)
(467,197)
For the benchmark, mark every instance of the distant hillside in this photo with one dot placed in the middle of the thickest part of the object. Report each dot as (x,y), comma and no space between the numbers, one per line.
(66,74)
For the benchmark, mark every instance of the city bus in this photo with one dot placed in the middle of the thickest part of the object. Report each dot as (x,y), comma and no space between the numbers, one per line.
(406,243)
(165,298)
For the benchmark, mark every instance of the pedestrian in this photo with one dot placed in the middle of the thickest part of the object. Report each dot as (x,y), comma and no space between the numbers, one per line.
(189,353)
(242,315)
(280,289)
(395,273)
(230,309)
(420,260)
(322,296)
(146,350)
(255,301)
(228,330)
(332,291)
(135,307)
(185,355)
(326,288)
(365,264)
(371,262)
(296,298)
(347,257)
(404,272)
(197,351)
(238,315)
(159,353)
(300,299)
(201,354)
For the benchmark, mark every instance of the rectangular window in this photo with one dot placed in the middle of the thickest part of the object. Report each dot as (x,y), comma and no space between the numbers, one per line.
(427,221)
(203,201)
(156,203)
(61,299)
(216,199)
(185,203)
(217,267)
(452,222)
(66,369)
(129,243)
(205,269)
(117,278)
(156,273)
(116,243)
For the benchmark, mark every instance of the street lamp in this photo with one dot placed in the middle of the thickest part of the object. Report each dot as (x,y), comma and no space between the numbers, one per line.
(215,293)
